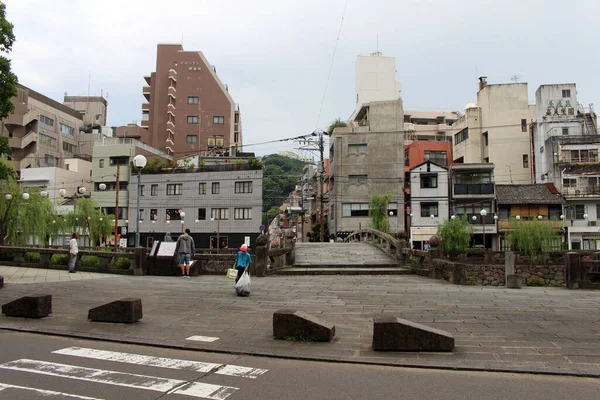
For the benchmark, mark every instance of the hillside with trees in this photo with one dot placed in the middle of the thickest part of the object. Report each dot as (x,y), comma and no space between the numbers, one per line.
(281,175)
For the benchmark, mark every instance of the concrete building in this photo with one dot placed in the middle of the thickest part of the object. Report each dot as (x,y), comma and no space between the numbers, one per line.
(566,146)
(41,132)
(472,189)
(111,163)
(188,109)
(435,126)
(430,205)
(221,207)
(497,130)
(375,80)
(93,109)
(367,157)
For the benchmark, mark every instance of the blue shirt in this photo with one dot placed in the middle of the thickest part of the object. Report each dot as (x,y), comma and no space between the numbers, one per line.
(243,259)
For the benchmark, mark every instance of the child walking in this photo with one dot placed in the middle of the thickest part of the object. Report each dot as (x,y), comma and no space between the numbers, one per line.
(242,260)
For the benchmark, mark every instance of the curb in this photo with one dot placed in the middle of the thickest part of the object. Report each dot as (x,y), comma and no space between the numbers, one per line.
(337,360)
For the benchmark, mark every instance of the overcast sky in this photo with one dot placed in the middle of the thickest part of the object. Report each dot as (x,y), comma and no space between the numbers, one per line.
(275,55)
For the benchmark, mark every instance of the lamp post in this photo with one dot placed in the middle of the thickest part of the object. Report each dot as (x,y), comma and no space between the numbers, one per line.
(139,162)
(182,215)
(483,214)
(218,227)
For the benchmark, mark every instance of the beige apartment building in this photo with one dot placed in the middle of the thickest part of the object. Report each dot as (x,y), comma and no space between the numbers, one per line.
(188,110)
(93,109)
(41,132)
(497,130)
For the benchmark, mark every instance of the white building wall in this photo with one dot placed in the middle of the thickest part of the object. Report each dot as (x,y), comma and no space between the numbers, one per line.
(375,79)
(423,227)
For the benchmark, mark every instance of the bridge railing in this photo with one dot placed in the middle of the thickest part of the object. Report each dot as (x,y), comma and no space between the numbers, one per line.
(390,245)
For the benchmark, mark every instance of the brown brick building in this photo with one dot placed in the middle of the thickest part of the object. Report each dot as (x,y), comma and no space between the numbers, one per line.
(188,109)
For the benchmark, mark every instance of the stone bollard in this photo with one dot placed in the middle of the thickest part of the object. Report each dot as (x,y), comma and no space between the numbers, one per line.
(513,281)
(572,273)
(1,281)
(139,261)
(260,261)
(39,306)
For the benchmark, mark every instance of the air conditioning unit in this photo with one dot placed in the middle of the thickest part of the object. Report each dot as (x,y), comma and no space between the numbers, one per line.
(577,191)
(592,223)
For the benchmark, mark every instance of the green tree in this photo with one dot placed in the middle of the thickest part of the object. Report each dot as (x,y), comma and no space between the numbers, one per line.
(272,213)
(532,237)
(87,218)
(281,175)
(454,235)
(338,123)
(378,212)
(8,80)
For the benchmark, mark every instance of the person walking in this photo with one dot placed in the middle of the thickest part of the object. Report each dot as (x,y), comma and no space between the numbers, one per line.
(242,260)
(73,251)
(186,248)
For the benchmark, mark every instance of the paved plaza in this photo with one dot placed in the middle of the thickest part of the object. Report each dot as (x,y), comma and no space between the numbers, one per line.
(542,330)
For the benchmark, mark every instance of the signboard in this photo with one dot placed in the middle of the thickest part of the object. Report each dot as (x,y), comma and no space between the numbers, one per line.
(247,240)
(154,247)
(166,249)
(123,242)
(262,228)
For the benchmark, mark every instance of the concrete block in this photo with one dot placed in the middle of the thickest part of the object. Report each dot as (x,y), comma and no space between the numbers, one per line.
(125,310)
(396,334)
(513,281)
(29,307)
(301,326)
(1,281)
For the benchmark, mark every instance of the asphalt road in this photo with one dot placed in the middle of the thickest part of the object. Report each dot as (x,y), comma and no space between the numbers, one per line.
(39,366)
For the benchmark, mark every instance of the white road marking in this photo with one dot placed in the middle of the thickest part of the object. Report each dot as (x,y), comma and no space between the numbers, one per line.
(203,338)
(46,392)
(163,362)
(207,391)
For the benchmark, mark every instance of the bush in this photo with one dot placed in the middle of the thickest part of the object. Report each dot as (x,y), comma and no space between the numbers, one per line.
(454,235)
(90,261)
(401,235)
(434,242)
(535,281)
(59,259)
(33,258)
(120,263)
(6,256)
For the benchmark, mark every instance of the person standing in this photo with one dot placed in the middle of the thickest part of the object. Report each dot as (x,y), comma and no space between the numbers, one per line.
(186,248)
(73,251)
(242,260)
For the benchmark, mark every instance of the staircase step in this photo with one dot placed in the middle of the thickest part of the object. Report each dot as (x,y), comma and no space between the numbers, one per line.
(344,265)
(343,271)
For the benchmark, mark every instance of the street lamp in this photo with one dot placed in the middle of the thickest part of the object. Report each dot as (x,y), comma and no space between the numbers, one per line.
(182,215)
(453,217)
(139,162)
(483,214)
(218,227)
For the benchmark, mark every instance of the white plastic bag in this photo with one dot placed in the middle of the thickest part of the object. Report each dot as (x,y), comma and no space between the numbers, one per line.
(242,287)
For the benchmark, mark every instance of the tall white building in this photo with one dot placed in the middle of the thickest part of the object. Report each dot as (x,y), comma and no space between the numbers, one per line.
(375,79)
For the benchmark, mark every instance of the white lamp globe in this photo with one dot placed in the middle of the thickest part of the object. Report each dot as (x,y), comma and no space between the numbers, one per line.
(585,216)
(62,192)
(432,216)
(102,186)
(495,218)
(81,190)
(483,213)
(25,196)
(196,221)
(8,196)
(540,217)
(562,216)
(453,217)
(43,193)
(474,217)
(518,217)
(100,219)
(139,161)
(182,222)
(182,214)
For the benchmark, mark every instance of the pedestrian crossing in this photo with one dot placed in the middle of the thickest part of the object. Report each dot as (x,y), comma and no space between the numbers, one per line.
(166,386)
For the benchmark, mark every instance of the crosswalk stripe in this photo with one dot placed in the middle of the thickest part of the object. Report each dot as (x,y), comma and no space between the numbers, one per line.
(207,391)
(46,393)
(202,338)
(93,374)
(163,362)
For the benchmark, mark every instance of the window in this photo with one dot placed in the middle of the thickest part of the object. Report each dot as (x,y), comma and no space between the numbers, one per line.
(192,119)
(202,188)
(219,213)
(154,214)
(485,138)
(566,93)
(142,189)
(218,120)
(590,155)
(569,182)
(153,190)
(355,210)
(123,214)
(201,214)
(51,160)
(579,211)
(357,179)
(192,100)
(216,188)
(461,136)
(406,159)
(191,139)
(242,213)
(172,214)
(565,131)
(141,214)
(571,111)
(46,120)
(215,141)
(66,129)
(429,209)
(243,187)
(598,211)
(357,148)
(68,147)
(101,163)
(523,125)
(237,118)
(525,160)
(46,140)
(174,189)
(438,157)
(429,181)
(119,160)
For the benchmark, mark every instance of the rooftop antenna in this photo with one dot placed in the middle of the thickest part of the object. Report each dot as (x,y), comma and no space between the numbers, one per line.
(515,78)
(378,43)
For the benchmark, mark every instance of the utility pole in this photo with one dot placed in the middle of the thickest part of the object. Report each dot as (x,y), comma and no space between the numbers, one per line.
(321,184)
(117,207)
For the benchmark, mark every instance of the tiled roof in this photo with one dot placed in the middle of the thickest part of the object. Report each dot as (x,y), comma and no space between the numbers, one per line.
(526,194)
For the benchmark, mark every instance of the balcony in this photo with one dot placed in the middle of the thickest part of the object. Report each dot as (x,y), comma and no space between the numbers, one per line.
(145,123)
(582,159)
(173,74)
(473,189)
(507,225)
(582,190)
(146,92)
(146,107)
(172,91)
(23,142)
(171,106)
(170,125)
(171,112)
(148,79)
